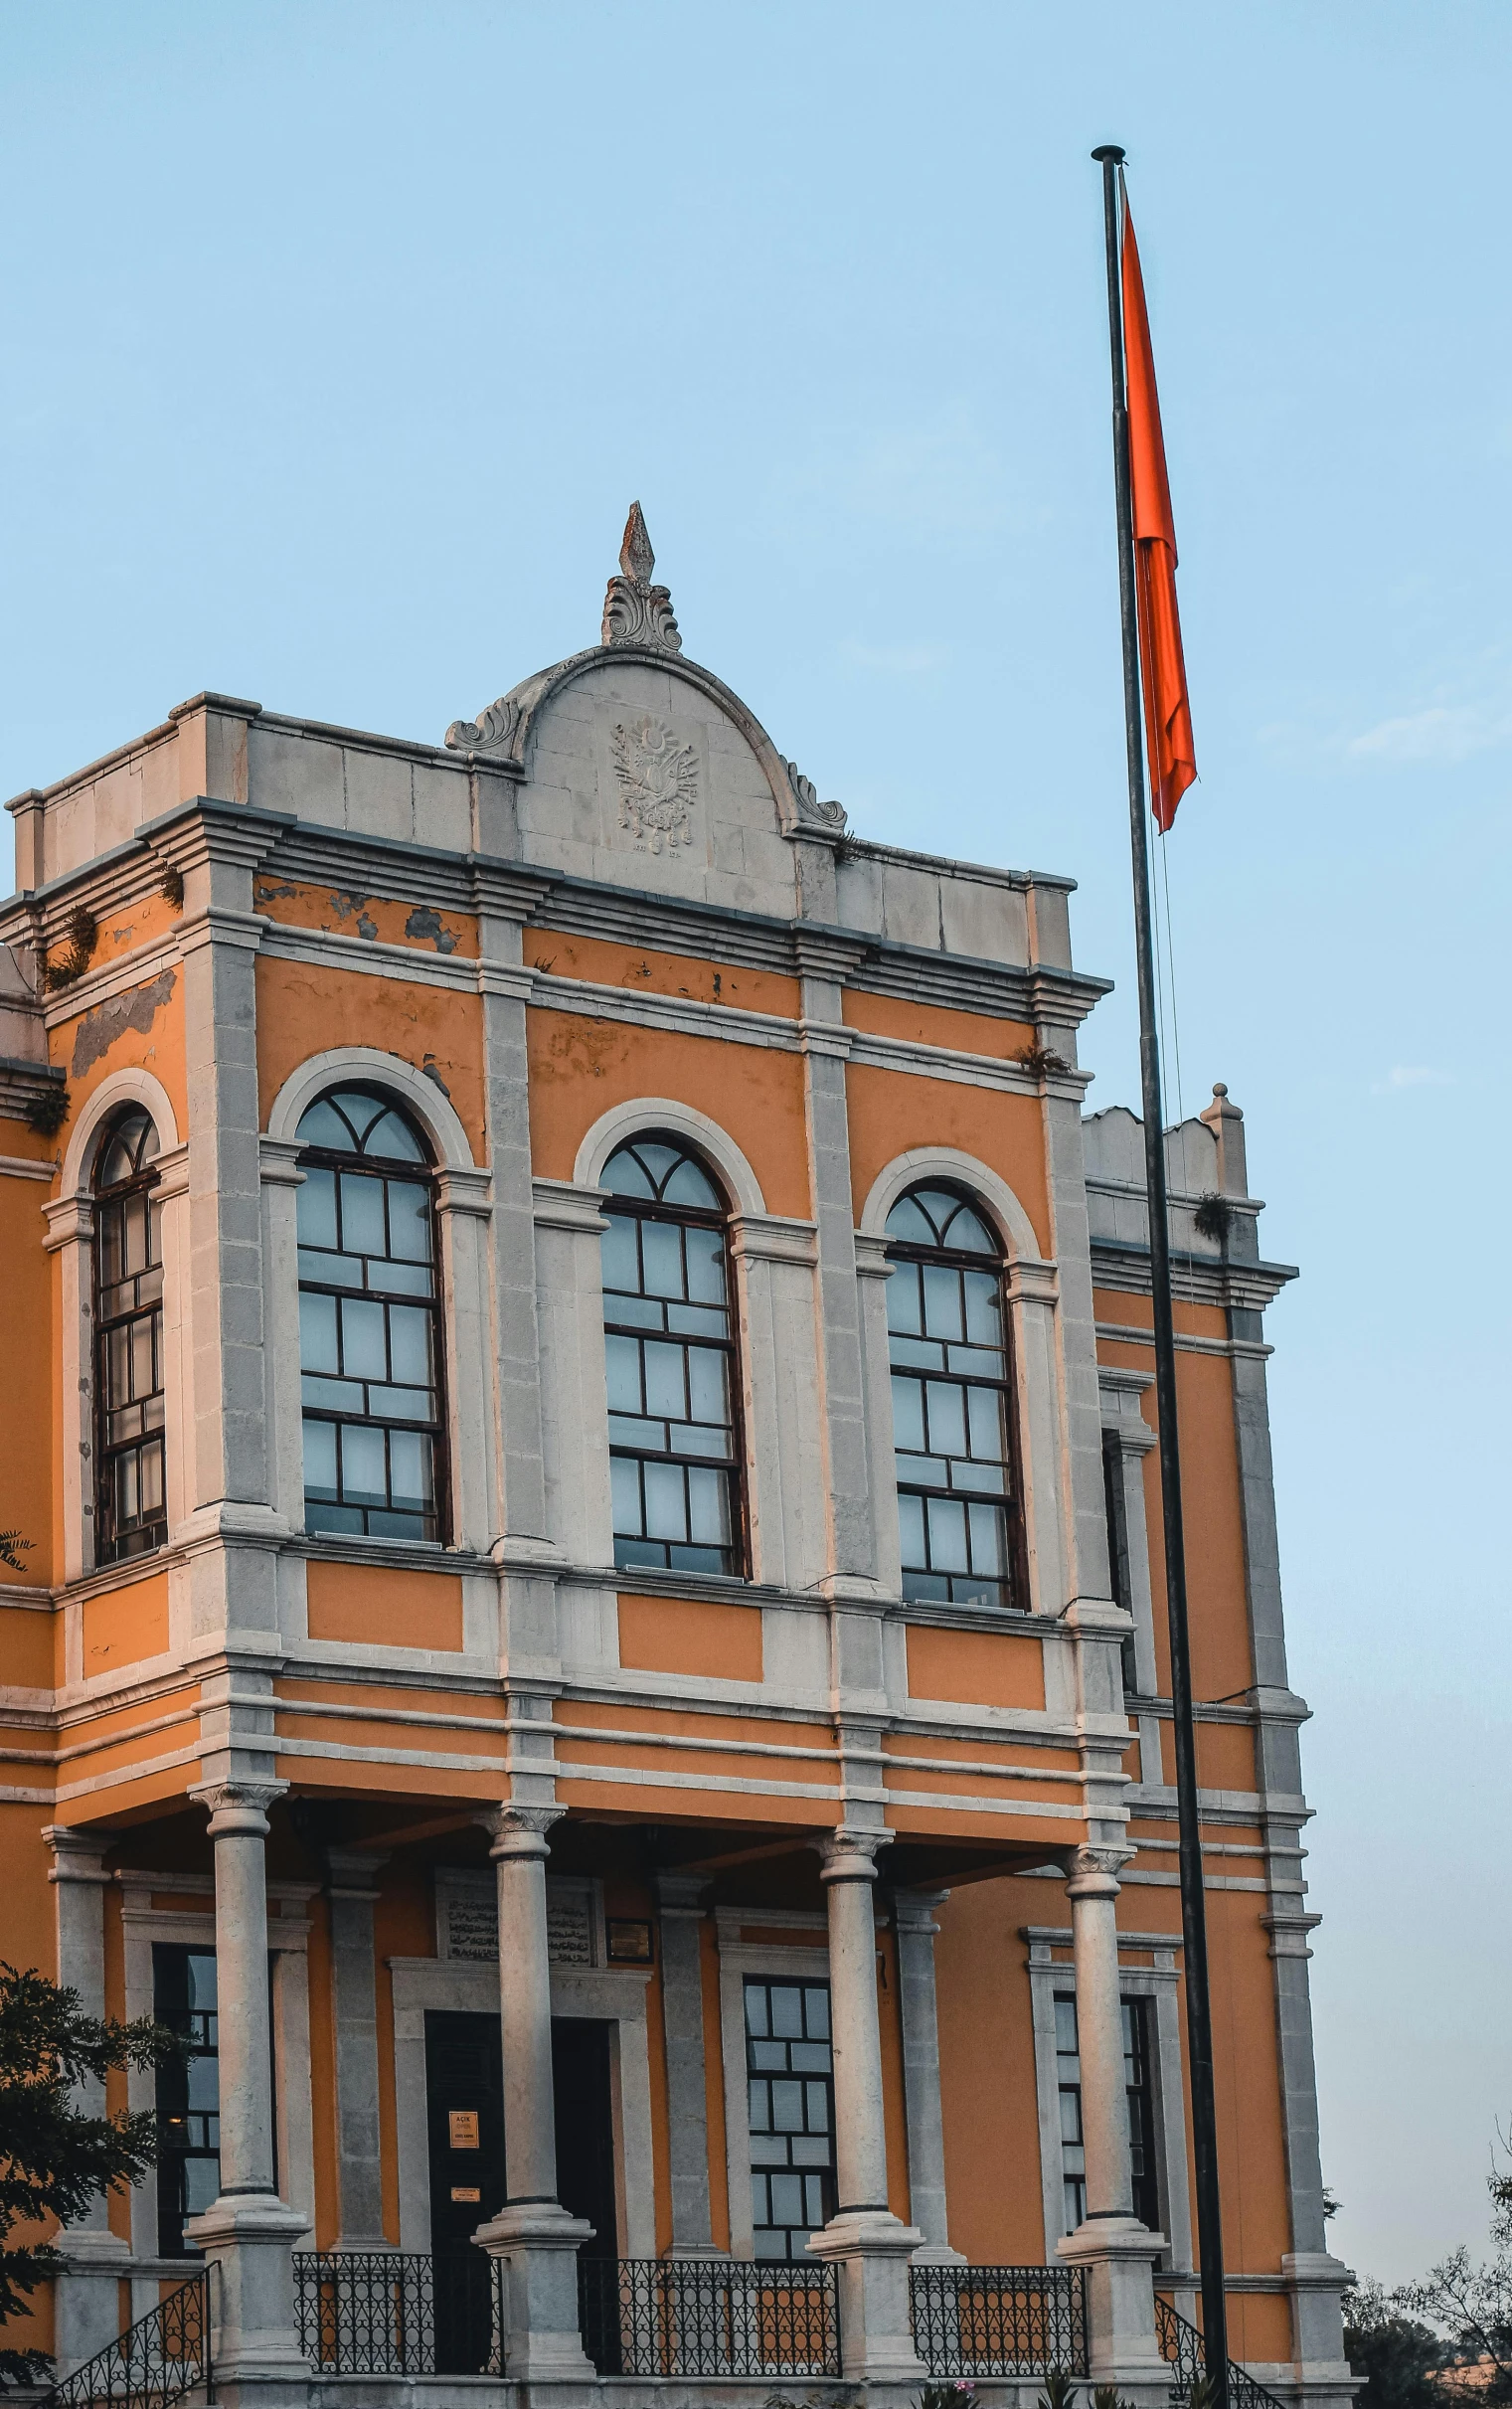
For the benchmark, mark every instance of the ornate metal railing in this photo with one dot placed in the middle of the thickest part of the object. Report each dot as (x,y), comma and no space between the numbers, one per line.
(999,2320)
(398,2312)
(162,2358)
(1181,2343)
(709,2316)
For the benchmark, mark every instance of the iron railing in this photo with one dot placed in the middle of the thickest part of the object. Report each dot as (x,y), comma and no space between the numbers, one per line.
(398,2312)
(160,2359)
(709,2316)
(1181,2343)
(999,2320)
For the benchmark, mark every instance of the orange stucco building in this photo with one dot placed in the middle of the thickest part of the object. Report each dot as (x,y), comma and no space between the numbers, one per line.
(588,1615)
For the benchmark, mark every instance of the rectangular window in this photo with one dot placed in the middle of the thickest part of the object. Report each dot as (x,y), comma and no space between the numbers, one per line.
(369,1354)
(950,1430)
(790,2088)
(1117,1549)
(1142,2114)
(670,1363)
(128,1307)
(187,2092)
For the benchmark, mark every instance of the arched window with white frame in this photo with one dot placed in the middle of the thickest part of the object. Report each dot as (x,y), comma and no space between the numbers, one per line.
(369,1350)
(670,1351)
(953,1420)
(130,1492)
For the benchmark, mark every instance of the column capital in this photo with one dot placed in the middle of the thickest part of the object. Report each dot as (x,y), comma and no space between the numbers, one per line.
(519,1832)
(78,1856)
(1094,1868)
(352,1873)
(238,1807)
(682,1894)
(850,1856)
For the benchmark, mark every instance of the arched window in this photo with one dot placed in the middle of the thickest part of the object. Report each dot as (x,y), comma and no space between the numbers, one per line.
(953,1403)
(130,1502)
(671,1363)
(369,1342)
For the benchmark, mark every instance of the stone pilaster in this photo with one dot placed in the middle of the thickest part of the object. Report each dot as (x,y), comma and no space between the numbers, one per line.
(682,2007)
(352,1891)
(86,2294)
(913,1922)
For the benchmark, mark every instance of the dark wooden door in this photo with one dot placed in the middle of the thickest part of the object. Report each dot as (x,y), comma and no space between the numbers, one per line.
(465,2091)
(585,2108)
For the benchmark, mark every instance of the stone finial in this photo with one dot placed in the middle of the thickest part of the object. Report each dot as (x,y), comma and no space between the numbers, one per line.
(1226,1124)
(634,611)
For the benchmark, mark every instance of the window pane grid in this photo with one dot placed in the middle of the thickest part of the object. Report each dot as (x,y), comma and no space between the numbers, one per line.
(130,1503)
(1142,2114)
(670,1365)
(370,1356)
(952,1404)
(791,2110)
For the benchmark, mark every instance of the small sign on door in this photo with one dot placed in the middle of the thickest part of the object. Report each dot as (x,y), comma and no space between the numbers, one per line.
(462,2127)
(467,2192)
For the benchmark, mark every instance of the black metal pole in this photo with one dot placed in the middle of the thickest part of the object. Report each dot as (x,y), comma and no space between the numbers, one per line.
(1210,2247)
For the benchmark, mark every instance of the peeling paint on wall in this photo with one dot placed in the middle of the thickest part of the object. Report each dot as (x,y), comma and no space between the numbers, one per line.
(425,921)
(136,1009)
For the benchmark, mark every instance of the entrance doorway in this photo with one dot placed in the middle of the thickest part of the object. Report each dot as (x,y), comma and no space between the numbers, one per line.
(465,2091)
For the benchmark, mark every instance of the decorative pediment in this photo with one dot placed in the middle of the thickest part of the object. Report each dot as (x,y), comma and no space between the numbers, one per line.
(805,794)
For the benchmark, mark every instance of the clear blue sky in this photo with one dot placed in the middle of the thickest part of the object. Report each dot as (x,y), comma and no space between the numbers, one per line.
(338,340)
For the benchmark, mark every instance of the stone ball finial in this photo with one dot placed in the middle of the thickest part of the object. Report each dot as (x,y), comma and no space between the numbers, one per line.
(1219,1087)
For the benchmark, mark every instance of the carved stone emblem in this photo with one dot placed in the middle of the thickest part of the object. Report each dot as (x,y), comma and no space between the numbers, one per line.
(634,611)
(658,783)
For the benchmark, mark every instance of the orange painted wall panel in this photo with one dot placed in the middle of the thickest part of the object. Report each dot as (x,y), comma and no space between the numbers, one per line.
(976,1669)
(936,1025)
(124,1626)
(992,2151)
(141,1029)
(644,972)
(691,1636)
(26,1426)
(26,1648)
(892,1110)
(344,913)
(143,923)
(580,1068)
(304,1008)
(384,1606)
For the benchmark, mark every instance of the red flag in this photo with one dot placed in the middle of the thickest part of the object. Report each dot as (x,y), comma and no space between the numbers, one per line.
(1167,717)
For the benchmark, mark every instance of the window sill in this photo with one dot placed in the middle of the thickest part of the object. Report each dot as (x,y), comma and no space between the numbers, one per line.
(350,1547)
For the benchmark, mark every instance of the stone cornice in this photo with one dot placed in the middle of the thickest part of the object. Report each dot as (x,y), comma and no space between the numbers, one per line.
(1121,1265)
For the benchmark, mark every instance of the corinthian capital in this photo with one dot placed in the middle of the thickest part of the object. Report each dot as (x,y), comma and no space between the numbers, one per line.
(238,1807)
(519,1832)
(1094,1869)
(850,1856)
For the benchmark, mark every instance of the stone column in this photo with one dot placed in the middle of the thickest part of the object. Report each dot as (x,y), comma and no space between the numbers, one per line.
(870,2246)
(352,1893)
(532,2235)
(1115,2249)
(914,1920)
(247,2232)
(87,2295)
(682,2008)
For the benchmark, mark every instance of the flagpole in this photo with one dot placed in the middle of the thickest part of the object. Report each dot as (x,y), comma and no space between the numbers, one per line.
(1192,1913)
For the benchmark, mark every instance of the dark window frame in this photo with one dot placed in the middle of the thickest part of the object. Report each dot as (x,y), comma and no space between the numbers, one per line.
(113,1543)
(825,2174)
(657,1210)
(1140,2094)
(423,1173)
(1015,1578)
(1120,1575)
(194,2026)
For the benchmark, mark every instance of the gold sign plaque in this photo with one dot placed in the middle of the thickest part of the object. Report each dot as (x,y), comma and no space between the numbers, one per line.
(466,2191)
(462,2127)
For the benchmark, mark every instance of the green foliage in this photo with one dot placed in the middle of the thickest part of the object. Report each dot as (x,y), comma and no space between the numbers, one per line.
(1107,2396)
(958,2395)
(1397,2356)
(1470,2306)
(54,2158)
(47,1113)
(1060,2389)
